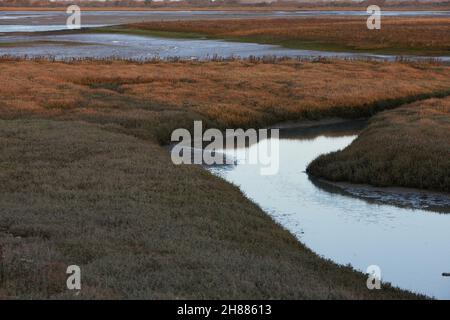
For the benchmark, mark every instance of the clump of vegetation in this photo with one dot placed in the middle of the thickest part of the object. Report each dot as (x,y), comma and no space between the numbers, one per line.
(408,147)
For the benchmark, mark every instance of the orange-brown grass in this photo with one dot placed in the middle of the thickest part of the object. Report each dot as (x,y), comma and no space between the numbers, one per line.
(408,147)
(152,99)
(91,194)
(419,35)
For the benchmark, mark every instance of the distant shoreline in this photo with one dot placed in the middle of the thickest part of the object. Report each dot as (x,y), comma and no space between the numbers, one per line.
(425,7)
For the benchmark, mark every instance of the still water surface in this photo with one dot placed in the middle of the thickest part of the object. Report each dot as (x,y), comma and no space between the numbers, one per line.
(411,246)
(140,48)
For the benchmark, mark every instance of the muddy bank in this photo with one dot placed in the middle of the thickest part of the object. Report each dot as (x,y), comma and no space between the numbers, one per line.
(403,197)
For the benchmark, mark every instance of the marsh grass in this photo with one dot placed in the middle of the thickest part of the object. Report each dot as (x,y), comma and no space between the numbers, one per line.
(149,99)
(84,180)
(140,227)
(407,147)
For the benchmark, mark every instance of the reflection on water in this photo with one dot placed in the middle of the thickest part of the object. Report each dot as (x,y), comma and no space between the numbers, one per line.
(411,246)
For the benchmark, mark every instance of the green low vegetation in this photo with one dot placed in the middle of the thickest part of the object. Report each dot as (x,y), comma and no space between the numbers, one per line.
(141,227)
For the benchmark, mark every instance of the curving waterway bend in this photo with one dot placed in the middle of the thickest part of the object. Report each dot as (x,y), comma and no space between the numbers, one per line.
(411,246)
